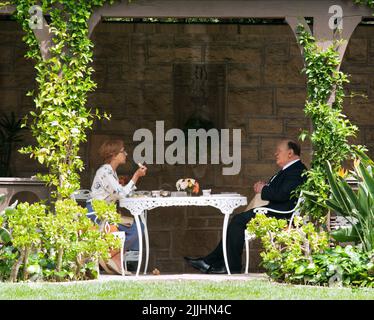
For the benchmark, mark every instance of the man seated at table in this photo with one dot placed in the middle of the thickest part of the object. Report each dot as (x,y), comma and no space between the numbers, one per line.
(277,192)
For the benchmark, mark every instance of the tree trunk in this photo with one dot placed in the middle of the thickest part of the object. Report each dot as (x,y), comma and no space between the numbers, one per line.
(16,266)
(59,259)
(26,259)
(79,266)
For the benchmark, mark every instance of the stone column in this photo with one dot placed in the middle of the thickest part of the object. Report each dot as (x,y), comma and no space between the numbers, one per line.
(325,35)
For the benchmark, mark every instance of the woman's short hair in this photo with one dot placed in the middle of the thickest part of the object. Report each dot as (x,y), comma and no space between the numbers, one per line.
(294,146)
(109,149)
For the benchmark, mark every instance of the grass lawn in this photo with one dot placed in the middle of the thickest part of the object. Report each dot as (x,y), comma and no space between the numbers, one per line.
(176,290)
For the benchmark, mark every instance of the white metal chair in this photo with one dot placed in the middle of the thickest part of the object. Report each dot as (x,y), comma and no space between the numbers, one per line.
(83,194)
(130,256)
(248,237)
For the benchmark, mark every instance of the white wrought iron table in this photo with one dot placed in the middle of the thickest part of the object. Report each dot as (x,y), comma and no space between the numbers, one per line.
(138,206)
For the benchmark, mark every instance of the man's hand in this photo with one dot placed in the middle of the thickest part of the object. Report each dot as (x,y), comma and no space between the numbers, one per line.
(257,187)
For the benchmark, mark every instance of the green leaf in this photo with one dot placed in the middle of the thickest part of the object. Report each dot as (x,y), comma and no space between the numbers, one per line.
(336,190)
(5,236)
(2,198)
(367,178)
(300,269)
(346,234)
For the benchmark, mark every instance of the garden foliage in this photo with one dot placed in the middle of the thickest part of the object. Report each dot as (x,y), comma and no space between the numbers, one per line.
(356,205)
(61,118)
(36,243)
(301,255)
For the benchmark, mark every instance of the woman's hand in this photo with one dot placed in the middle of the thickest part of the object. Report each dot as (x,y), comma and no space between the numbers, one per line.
(141,172)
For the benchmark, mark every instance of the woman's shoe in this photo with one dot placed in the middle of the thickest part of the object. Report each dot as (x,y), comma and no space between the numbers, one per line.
(115,267)
(105,267)
(127,273)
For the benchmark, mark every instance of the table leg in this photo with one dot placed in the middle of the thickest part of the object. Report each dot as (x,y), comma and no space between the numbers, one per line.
(146,237)
(139,229)
(224,234)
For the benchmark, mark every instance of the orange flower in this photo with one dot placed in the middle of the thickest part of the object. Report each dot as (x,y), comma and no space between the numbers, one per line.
(342,172)
(196,188)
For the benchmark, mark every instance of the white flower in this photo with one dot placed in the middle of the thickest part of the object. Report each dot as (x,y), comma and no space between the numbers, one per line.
(54,123)
(183,184)
(74,131)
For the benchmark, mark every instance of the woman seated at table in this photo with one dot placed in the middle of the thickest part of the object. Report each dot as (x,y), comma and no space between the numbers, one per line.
(106,186)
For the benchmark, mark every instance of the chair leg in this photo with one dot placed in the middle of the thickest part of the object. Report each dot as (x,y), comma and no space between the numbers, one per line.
(246,256)
(125,262)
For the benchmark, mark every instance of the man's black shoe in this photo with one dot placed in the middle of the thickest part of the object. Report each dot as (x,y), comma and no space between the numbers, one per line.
(188,259)
(200,265)
(221,270)
(218,270)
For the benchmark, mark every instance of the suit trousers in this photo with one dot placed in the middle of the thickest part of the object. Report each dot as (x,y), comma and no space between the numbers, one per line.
(234,242)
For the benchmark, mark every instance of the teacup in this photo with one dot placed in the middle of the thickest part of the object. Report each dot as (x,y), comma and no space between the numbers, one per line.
(207,192)
(156,193)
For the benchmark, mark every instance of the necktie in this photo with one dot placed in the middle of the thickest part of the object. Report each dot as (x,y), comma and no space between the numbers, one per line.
(274,176)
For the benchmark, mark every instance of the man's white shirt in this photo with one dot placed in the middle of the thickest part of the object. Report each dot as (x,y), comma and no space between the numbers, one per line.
(284,168)
(290,164)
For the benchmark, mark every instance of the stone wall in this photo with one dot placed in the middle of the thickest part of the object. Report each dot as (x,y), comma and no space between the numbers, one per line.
(265,93)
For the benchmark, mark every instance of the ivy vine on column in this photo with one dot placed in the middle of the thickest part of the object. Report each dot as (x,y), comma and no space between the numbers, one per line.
(61,119)
(331,128)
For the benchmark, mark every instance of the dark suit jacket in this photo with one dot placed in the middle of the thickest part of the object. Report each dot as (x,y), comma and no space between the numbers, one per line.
(278,192)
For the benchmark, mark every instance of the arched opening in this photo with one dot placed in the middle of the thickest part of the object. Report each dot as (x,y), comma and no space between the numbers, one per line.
(24,196)
(143,71)
(357,63)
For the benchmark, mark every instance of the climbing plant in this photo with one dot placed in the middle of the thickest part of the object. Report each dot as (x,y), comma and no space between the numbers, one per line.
(61,118)
(369,3)
(331,128)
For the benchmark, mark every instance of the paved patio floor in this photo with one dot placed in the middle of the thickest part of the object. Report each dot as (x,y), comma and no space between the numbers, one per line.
(186,276)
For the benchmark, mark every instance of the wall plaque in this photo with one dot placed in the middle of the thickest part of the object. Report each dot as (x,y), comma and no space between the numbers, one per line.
(199,95)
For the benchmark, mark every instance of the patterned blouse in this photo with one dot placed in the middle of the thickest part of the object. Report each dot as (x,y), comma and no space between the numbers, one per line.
(106,186)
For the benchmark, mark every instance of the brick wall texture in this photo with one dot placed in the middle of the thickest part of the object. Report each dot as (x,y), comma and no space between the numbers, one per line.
(265,94)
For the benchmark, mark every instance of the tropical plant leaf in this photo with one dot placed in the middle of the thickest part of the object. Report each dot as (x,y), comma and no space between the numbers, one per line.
(367,178)
(364,157)
(363,199)
(332,204)
(352,196)
(5,236)
(346,234)
(336,190)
